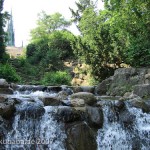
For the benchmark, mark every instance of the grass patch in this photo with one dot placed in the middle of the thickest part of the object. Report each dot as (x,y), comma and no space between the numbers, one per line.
(56,78)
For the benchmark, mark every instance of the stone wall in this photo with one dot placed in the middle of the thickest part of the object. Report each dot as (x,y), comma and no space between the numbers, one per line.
(136,80)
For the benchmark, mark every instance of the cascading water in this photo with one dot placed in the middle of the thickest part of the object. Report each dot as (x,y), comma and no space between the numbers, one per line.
(112,136)
(142,125)
(115,136)
(34,126)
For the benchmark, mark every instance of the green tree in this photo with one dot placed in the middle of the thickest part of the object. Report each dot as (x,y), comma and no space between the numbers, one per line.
(95,43)
(46,24)
(119,33)
(131,20)
(81,6)
(61,40)
(51,50)
(4,16)
(50,41)
(2,35)
(31,49)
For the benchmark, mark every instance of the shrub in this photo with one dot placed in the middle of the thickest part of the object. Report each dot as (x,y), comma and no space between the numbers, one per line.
(5,58)
(30,50)
(9,73)
(56,78)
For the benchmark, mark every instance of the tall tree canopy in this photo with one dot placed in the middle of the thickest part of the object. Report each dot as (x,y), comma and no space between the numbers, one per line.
(2,35)
(46,24)
(4,16)
(50,41)
(119,33)
(131,20)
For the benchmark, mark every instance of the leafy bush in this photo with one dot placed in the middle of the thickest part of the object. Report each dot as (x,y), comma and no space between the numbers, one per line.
(56,78)
(61,40)
(5,58)
(9,73)
(46,50)
(30,50)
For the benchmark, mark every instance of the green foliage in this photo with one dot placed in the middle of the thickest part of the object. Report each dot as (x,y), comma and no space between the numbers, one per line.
(81,6)
(61,40)
(46,24)
(3,17)
(92,81)
(56,78)
(31,48)
(130,21)
(5,58)
(52,50)
(119,33)
(50,43)
(94,46)
(45,56)
(29,73)
(9,73)
(138,54)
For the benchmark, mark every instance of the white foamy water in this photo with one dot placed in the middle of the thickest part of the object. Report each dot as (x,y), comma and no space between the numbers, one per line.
(142,125)
(114,136)
(36,94)
(39,134)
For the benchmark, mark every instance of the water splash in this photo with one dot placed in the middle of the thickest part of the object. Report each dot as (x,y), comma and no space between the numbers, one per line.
(114,136)
(39,133)
(30,94)
(142,125)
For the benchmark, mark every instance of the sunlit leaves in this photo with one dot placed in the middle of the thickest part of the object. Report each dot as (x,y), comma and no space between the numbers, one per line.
(46,24)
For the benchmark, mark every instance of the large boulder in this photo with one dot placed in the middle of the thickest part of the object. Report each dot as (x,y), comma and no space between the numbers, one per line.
(67,89)
(103,87)
(51,101)
(67,114)
(7,108)
(62,95)
(90,89)
(142,90)
(4,87)
(2,98)
(139,103)
(130,96)
(77,102)
(80,137)
(3,83)
(88,98)
(6,91)
(76,89)
(125,80)
(95,116)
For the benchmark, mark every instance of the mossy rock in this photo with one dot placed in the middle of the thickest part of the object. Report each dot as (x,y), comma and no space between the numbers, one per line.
(88,98)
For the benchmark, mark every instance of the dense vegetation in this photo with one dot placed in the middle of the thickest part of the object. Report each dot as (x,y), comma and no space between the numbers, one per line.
(120,33)
(9,73)
(6,70)
(3,18)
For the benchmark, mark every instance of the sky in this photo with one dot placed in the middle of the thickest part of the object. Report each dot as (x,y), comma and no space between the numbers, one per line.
(25,15)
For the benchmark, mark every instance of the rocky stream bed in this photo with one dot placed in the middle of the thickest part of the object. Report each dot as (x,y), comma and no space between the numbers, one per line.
(79,117)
